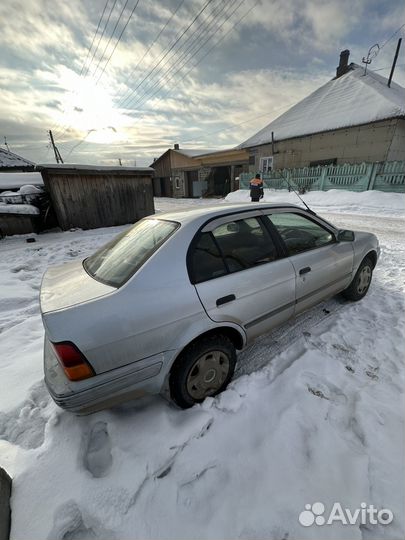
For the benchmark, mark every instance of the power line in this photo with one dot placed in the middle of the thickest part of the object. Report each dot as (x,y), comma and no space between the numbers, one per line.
(212,47)
(185,60)
(150,46)
(66,126)
(387,67)
(392,36)
(187,54)
(241,123)
(174,53)
(178,57)
(115,46)
(101,37)
(118,40)
(94,37)
(206,54)
(173,45)
(112,35)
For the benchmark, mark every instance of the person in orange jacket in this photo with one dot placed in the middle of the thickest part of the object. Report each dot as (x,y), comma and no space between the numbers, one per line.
(256,188)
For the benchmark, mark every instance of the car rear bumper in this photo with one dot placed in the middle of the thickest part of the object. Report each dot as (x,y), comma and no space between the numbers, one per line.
(107,389)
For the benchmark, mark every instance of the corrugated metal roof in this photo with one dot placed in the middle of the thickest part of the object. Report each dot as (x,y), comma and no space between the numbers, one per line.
(9,159)
(352,99)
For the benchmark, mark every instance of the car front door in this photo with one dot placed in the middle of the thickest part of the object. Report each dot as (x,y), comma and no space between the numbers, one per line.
(322,265)
(239,276)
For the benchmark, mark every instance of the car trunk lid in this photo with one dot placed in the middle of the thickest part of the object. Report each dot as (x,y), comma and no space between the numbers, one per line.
(67,285)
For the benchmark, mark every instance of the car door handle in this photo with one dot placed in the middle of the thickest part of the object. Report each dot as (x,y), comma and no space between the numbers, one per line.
(305,270)
(226,299)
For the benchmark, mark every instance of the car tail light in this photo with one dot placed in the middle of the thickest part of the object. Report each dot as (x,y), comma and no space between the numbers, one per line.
(74,363)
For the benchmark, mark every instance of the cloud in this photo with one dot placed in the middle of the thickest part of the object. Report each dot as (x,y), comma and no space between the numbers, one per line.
(279,53)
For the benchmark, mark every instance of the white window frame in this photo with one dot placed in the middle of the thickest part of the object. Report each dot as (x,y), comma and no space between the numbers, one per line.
(266,164)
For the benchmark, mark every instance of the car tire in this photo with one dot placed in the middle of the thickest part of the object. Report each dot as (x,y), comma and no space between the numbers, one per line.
(203,369)
(361,282)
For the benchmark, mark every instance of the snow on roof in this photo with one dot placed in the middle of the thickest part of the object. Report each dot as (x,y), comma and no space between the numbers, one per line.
(8,159)
(192,152)
(352,99)
(101,168)
(14,180)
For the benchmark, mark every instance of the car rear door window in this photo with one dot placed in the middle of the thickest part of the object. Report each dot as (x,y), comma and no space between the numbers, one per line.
(207,261)
(118,260)
(300,233)
(245,243)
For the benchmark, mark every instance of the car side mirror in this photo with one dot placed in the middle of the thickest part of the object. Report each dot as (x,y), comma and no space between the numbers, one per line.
(345,236)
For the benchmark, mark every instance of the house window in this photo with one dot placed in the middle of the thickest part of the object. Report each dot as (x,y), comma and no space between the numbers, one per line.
(266,164)
(331,161)
(177,182)
(252,160)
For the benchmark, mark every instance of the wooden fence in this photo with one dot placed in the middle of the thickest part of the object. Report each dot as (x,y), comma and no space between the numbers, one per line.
(386,176)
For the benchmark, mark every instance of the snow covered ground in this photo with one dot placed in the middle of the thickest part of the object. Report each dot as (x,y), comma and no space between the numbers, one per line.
(315,414)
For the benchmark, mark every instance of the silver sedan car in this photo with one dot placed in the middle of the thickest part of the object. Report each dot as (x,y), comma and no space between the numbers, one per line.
(164,306)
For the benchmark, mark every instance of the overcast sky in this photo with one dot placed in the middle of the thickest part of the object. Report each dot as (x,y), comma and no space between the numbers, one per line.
(131,99)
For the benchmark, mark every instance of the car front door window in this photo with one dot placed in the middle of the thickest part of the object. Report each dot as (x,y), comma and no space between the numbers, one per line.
(300,233)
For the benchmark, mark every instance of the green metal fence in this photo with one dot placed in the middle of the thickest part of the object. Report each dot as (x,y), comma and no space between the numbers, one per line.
(386,176)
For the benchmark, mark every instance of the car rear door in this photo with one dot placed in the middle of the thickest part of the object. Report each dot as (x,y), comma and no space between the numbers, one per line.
(239,276)
(322,265)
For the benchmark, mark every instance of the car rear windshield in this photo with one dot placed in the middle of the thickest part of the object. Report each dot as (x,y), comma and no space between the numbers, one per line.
(118,260)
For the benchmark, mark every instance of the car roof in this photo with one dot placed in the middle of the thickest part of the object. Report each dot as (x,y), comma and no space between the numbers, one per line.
(204,213)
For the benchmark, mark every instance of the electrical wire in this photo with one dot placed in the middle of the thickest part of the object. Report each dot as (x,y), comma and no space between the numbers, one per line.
(210,49)
(94,37)
(101,37)
(392,36)
(172,46)
(216,44)
(186,60)
(183,57)
(118,40)
(110,38)
(151,46)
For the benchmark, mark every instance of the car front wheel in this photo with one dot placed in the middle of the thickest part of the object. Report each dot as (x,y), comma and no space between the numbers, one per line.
(203,369)
(361,282)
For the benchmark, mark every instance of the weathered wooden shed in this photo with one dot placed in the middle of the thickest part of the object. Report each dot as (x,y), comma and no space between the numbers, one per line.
(89,197)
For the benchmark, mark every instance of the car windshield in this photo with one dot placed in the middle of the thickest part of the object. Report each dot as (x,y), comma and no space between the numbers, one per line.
(118,260)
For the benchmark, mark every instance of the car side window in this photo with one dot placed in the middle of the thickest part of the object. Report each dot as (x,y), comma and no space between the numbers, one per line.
(300,233)
(207,262)
(245,243)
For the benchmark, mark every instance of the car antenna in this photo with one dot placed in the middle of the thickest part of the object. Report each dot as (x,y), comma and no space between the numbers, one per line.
(300,198)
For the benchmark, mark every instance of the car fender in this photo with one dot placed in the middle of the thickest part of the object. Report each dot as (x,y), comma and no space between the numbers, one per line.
(363,244)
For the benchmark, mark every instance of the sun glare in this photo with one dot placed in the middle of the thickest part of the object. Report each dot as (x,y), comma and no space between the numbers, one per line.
(88,109)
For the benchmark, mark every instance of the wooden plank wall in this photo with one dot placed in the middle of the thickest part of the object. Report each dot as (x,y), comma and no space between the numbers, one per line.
(17,224)
(97,200)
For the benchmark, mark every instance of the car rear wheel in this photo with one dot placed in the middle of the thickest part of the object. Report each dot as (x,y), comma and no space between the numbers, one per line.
(203,369)
(361,282)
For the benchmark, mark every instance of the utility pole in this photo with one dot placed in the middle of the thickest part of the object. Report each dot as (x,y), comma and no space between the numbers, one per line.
(58,157)
(5,143)
(394,63)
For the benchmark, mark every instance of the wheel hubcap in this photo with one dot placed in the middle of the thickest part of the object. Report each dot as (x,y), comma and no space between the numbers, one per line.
(207,374)
(364,279)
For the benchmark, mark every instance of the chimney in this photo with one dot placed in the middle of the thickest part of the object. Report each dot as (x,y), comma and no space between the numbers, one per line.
(176,146)
(343,66)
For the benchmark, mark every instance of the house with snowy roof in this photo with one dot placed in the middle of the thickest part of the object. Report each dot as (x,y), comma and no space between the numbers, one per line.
(353,118)
(10,162)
